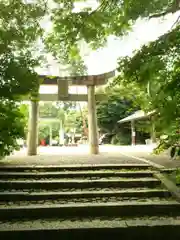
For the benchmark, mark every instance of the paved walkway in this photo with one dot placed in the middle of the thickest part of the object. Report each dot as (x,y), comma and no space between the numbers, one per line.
(79,155)
(162,159)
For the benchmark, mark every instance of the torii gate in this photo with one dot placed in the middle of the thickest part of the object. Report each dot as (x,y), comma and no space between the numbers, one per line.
(63,95)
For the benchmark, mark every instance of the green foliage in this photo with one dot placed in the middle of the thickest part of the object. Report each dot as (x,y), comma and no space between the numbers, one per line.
(44,131)
(69,112)
(121,139)
(11,125)
(156,66)
(70,116)
(70,25)
(112,110)
(73,121)
(118,106)
(24,110)
(51,113)
(19,31)
(152,73)
(50,110)
(170,140)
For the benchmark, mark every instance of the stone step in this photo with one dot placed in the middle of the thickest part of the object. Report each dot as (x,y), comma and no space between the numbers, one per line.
(76,167)
(50,195)
(115,209)
(82,200)
(149,228)
(117,200)
(76,174)
(79,183)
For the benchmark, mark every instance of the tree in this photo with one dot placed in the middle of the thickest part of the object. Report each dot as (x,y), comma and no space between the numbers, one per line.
(52,114)
(24,110)
(110,111)
(154,67)
(71,119)
(11,126)
(76,119)
(50,110)
(117,18)
(19,31)
(72,25)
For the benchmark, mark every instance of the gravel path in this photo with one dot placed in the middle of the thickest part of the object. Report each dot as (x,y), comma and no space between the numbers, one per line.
(79,155)
(69,159)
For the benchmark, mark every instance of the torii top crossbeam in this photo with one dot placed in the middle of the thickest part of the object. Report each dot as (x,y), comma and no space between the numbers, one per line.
(64,83)
(87,80)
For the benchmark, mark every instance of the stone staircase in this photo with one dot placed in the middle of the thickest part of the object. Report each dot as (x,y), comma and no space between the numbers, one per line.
(126,201)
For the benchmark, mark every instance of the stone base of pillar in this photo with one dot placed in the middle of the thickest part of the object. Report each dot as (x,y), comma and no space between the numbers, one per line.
(32,152)
(94,149)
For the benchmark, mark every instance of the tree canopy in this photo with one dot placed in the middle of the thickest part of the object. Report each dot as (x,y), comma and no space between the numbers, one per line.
(111,110)
(19,31)
(155,69)
(72,24)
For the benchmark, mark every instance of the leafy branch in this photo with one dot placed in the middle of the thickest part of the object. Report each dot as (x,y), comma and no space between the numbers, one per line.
(172,9)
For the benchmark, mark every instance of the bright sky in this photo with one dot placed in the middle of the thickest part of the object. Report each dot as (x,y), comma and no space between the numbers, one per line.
(105,59)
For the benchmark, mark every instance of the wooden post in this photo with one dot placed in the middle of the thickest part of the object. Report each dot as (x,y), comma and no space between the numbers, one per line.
(33,128)
(92,121)
(133,134)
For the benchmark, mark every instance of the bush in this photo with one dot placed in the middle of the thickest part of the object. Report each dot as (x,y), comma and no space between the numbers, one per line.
(171,140)
(121,139)
(12,127)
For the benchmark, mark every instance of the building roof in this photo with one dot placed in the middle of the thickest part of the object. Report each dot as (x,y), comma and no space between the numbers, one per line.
(138,115)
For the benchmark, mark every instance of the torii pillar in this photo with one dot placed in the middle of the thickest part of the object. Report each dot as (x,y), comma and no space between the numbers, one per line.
(32,140)
(92,121)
